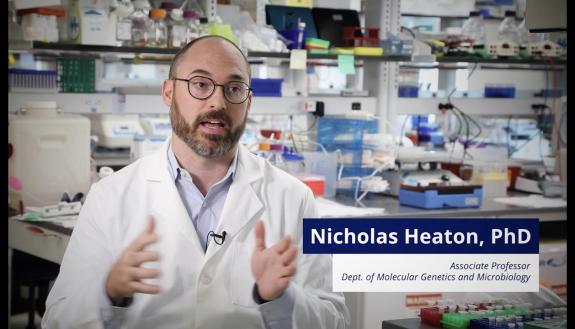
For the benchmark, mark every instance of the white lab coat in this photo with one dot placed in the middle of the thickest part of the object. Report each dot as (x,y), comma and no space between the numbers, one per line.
(211,290)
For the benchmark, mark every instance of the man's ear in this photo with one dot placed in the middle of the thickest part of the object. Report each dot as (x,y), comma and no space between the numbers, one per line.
(168,92)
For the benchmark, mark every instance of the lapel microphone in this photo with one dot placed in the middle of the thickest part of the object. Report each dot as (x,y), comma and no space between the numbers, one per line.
(218,238)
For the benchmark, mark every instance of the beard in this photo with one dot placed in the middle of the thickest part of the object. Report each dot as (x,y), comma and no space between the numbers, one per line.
(209,146)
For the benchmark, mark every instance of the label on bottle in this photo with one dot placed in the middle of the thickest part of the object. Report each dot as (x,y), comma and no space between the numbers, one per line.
(124,31)
(178,36)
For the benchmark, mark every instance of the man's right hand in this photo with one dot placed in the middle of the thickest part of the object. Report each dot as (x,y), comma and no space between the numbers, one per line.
(124,279)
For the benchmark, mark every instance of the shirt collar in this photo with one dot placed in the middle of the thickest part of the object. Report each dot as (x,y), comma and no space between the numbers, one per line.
(175,169)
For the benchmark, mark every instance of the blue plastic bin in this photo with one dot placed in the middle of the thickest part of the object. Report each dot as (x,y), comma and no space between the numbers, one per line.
(267,87)
(499,91)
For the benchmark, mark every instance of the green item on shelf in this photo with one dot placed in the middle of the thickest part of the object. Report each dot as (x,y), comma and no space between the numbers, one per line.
(319,51)
(223,30)
(317,42)
(77,75)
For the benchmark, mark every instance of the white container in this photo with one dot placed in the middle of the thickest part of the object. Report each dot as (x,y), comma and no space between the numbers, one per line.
(116,130)
(51,153)
(143,145)
(323,164)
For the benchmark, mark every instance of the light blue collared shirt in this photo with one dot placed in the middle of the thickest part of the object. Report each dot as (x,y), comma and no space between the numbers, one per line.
(204,211)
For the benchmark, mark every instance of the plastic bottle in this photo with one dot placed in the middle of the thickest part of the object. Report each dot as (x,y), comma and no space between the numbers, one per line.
(192,25)
(140,21)
(179,29)
(203,27)
(124,23)
(175,28)
(157,33)
(193,5)
(474,28)
(508,31)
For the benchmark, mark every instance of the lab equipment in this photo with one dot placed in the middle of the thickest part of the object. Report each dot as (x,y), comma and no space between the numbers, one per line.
(116,131)
(51,153)
(59,209)
(22,80)
(157,126)
(438,189)
(143,145)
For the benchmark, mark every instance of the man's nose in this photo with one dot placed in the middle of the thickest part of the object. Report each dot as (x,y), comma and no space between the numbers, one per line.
(217,100)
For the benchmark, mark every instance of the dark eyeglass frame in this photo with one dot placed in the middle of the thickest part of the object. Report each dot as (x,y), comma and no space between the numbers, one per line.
(214,90)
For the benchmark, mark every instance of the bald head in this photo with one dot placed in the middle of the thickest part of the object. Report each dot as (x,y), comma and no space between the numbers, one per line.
(210,41)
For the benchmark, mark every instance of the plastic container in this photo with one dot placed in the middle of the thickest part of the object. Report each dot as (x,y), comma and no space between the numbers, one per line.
(474,28)
(267,87)
(508,29)
(157,32)
(499,90)
(323,164)
(192,25)
(143,145)
(140,21)
(411,91)
(33,81)
(346,135)
(51,153)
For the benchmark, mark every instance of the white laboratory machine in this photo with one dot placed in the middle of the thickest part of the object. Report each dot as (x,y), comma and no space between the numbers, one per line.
(116,130)
(51,153)
(157,125)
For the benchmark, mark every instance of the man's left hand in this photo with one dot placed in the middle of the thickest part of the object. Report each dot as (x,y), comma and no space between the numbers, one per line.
(272,267)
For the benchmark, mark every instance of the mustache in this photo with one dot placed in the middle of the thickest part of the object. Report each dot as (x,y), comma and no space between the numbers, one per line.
(214,115)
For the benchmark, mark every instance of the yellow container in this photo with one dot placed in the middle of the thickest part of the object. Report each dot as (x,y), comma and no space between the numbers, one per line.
(368,51)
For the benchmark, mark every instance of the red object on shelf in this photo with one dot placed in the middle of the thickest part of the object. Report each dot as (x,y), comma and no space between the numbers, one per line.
(431,316)
(47,11)
(361,36)
(267,133)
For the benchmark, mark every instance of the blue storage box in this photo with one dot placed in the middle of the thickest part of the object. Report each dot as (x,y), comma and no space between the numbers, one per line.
(345,135)
(267,87)
(408,91)
(431,198)
(500,91)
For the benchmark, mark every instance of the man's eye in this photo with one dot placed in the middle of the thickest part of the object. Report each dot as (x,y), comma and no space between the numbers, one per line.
(199,84)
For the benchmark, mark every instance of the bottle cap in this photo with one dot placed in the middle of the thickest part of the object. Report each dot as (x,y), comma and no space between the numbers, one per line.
(168,5)
(474,13)
(510,13)
(157,13)
(190,14)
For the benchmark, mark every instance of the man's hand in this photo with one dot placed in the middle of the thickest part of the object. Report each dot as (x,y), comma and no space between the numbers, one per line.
(272,267)
(124,279)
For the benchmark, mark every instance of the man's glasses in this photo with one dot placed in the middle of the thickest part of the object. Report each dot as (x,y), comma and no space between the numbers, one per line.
(235,92)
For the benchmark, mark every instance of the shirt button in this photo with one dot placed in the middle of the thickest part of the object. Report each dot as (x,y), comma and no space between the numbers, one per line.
(206,280)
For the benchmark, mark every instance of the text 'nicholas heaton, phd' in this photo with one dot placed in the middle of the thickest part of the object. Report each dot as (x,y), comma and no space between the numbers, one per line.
(417,236)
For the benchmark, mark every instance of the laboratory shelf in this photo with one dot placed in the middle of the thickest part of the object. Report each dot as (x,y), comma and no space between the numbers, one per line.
(471,106)
(31,46)
(388,58)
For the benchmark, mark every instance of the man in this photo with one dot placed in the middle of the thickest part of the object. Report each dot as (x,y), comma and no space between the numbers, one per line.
(202,234)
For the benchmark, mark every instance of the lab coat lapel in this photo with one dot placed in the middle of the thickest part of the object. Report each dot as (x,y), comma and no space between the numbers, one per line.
(167,204)
(243,203)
